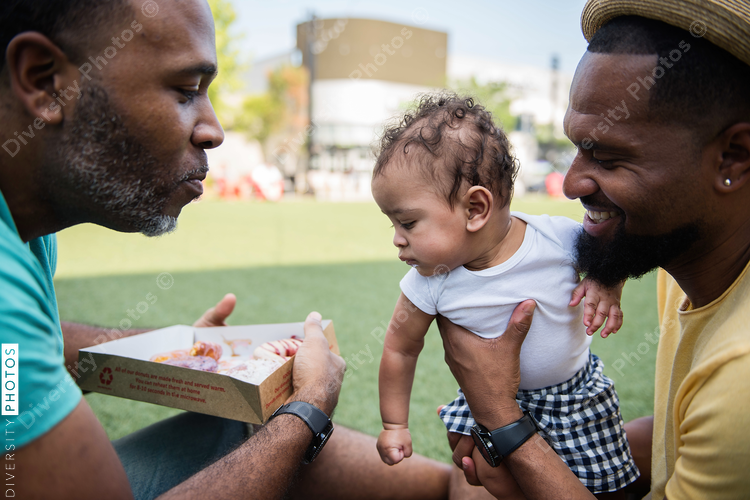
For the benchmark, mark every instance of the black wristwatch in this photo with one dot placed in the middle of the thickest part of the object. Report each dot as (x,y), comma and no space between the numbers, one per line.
(318,422)
(498,444)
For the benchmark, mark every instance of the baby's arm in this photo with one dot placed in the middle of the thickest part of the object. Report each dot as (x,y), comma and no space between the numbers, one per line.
(601,304)
(403,342)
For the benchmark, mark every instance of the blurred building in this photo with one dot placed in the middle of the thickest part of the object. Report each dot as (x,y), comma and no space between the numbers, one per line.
(363,73)
(539,99)
(541,94)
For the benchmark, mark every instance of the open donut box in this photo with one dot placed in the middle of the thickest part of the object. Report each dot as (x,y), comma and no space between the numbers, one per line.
(122,368)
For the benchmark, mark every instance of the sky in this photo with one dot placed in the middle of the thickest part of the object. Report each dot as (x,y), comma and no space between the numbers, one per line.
(521,31)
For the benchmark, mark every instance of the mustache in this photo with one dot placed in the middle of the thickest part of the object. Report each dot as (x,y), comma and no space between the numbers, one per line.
(202,170)
(598,201)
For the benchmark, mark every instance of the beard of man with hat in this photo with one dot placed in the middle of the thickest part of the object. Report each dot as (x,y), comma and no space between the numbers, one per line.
(665,184)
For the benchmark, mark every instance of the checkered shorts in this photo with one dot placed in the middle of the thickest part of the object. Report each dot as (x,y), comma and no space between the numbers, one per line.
(580,419)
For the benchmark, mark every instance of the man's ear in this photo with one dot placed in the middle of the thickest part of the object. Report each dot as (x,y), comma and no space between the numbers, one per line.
(37,70)
(478,203)
(734,167)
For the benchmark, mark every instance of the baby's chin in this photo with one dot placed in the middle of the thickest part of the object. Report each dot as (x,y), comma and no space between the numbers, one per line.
(440,271)
(424,271)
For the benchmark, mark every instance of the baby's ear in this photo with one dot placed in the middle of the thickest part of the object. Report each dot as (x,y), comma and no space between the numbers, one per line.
(478,204)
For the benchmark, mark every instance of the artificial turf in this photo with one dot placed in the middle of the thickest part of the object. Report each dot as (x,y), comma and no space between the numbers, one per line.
(283,260)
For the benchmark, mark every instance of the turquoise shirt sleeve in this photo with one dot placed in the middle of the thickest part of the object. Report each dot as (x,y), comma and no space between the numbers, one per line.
(29,318)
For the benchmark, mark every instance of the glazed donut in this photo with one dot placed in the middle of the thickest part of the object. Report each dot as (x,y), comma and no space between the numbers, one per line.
(240,347)
(277,349)
(165,356)
(202,363)
(253,371)
(210,349)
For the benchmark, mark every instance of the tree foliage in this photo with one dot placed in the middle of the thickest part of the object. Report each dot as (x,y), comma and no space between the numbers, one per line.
(231,65)
(281,111)
(495,96)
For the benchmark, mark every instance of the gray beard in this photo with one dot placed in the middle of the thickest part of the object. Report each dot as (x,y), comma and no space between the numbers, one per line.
(111,171)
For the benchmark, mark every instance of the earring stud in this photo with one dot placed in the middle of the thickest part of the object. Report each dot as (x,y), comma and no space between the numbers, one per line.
(727,182)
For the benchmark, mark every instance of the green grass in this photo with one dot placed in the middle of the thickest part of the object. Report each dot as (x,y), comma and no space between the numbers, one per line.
(284,260)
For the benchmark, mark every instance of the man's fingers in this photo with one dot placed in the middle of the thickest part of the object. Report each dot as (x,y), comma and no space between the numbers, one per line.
(463,448)
(315,340)
(453,438)
(313,326)
(216,316)
(520,323)
(224,308)
(470,471)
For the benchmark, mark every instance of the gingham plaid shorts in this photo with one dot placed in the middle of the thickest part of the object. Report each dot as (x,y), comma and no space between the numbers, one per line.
(580,419)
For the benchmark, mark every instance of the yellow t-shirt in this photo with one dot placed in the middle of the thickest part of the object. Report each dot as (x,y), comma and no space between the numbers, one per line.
(701,446)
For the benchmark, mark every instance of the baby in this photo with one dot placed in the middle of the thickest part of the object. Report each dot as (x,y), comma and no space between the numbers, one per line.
(444,177)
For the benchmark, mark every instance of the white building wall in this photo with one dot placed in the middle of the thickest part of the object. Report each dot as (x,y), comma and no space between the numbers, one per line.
(530,86)
(348,116)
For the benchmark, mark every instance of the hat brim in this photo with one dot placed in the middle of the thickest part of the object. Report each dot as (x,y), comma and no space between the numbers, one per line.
(725,23)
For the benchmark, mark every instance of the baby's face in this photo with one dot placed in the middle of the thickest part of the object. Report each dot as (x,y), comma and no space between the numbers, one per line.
(428,234)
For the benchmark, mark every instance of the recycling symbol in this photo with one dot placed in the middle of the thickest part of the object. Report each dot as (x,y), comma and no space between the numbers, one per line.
(105,376)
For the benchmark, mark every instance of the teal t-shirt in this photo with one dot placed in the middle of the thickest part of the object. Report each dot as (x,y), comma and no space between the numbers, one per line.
(28,317)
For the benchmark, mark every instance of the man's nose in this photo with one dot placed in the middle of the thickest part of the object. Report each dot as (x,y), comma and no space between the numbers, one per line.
(579,181)
(208,133)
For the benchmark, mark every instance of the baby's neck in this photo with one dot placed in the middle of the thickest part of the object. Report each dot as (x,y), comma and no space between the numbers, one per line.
(497,242)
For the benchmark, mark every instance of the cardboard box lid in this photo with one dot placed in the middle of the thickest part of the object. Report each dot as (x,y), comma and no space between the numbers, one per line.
(145,345)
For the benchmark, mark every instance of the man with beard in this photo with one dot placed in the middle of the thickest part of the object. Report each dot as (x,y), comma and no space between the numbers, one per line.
(106,120)
(660,114)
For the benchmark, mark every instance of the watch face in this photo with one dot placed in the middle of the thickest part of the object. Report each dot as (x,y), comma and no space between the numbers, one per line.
(319,441)
(484,445)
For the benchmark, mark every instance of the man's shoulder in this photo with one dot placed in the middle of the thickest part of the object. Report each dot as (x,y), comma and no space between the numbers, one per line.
(20,269)
(28,318)
(727,324)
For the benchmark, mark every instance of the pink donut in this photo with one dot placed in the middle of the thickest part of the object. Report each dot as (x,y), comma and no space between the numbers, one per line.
(277,349)
(202,363)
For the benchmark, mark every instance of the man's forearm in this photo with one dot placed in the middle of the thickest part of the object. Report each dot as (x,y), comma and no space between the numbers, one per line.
(77,336)
(263,467)
(537,469)
(552,477)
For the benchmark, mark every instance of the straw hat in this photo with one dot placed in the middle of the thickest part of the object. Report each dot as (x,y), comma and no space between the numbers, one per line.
(725,23)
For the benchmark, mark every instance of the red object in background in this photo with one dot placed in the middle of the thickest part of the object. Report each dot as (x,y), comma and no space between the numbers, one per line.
(554,184)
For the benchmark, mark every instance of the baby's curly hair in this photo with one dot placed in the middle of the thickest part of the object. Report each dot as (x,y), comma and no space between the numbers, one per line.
(460,133)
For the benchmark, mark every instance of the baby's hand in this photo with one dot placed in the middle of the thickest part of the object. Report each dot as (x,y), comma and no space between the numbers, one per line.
(601,304)
(394,445)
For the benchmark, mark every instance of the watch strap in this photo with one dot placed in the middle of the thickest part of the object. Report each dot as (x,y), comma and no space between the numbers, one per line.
(318,422)
(315,419)
(509,438)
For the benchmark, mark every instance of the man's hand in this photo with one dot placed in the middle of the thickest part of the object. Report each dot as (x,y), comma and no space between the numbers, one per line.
(489,370)
(462,446)
(318,372)
(216,316)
